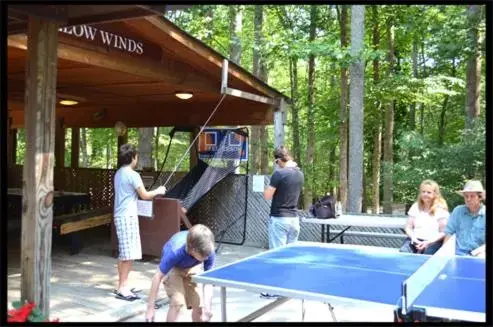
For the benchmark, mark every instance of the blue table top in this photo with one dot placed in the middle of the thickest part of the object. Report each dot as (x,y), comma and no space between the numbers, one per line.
(459,286)
(359,273)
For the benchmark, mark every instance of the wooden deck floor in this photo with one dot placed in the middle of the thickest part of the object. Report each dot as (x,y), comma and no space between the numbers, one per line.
(81,284)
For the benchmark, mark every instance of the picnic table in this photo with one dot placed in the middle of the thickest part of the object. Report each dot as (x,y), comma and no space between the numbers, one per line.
(63,202)
(346,221)
(71,214)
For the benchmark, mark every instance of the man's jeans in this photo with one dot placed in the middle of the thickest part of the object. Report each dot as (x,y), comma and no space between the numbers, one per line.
(283,230)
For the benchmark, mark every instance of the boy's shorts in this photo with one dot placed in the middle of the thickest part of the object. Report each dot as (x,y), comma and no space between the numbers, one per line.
(128,234)
(180,288)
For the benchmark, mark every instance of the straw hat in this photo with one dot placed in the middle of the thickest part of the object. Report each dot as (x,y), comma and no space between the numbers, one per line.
(473,186)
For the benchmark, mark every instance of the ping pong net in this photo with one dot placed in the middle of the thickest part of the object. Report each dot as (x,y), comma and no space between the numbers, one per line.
(424,275)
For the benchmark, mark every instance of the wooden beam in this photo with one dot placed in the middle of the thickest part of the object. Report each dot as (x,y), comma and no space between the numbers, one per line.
(74,153)
(74,226)
(55,13)
(114,16)
(157,9)
(172,72)
(37,190)
(165,114)
(249,96)
(59,143)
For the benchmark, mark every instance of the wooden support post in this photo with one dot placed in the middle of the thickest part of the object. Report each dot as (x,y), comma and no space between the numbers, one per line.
(11,144)
(59,143)
(74,153)
(193,151)
(37,188)
(279,120)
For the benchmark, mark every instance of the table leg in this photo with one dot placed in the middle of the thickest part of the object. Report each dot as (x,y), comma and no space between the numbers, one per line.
(327,237)
(331,309)
(323,232)
(75,243)
(223,304)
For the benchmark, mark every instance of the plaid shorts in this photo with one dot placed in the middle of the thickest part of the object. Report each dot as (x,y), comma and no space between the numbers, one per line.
(128,233)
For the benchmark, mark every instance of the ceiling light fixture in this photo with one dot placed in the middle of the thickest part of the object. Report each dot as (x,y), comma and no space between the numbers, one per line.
(184,95)
(68,102)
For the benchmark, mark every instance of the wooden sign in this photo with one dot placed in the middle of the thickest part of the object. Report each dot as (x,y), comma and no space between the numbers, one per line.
(112,40)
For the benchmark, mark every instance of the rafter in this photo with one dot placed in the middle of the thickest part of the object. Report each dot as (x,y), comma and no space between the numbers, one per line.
(171,72)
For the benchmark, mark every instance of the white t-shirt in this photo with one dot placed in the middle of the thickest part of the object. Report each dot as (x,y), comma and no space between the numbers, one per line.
(426,227)
(126,183)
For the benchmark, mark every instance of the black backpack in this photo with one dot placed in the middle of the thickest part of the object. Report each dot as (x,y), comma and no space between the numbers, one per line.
(324,208)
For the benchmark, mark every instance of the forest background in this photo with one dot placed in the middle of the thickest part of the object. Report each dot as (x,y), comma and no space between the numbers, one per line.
(383,97)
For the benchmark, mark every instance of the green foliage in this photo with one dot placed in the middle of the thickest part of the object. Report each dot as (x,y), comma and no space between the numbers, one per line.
(450,166)
(437,36)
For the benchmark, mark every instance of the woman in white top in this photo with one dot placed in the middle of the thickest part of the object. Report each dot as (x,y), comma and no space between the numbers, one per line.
(425,227)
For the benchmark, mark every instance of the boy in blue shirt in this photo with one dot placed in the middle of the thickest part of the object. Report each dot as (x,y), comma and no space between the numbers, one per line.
(182,257)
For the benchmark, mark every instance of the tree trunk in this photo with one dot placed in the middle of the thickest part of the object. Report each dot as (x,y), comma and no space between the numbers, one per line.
(473,74)
(295,122)
(108,154)
(83,146)
(377,136)
(209,24)
(412,108)
(422,105)
(255,141)
(287,24)
(156,149)
(264,135)
(388,152)
(235,26)
(343,129)
(441,127)
(308,192)
(145,147)
(443,113)
(356,111)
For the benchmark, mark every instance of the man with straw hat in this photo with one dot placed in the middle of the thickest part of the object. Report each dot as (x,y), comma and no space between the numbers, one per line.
(467,221)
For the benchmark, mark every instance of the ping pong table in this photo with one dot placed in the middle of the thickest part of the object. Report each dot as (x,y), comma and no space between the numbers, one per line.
(413,286)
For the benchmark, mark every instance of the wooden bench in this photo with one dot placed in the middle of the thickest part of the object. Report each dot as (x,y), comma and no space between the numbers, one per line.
(70,224)
(358,220)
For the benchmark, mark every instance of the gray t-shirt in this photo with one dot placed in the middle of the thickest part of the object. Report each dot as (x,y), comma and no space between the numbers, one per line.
(126,183)
(288,182)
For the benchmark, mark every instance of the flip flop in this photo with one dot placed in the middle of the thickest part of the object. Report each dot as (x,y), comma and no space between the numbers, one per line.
(133,290)
(129,298)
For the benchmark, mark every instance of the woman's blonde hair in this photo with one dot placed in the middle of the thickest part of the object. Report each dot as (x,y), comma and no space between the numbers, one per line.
(438,201)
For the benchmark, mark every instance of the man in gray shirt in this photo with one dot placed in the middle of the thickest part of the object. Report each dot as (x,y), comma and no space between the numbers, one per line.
(128,187)
(284,191)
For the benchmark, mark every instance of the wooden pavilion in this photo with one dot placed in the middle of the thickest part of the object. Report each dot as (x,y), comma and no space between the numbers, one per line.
(114,63)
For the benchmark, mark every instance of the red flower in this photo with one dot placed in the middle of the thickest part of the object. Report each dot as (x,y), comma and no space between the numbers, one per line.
(21,314)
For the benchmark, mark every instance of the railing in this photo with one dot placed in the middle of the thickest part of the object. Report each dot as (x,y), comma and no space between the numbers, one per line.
(97,182)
